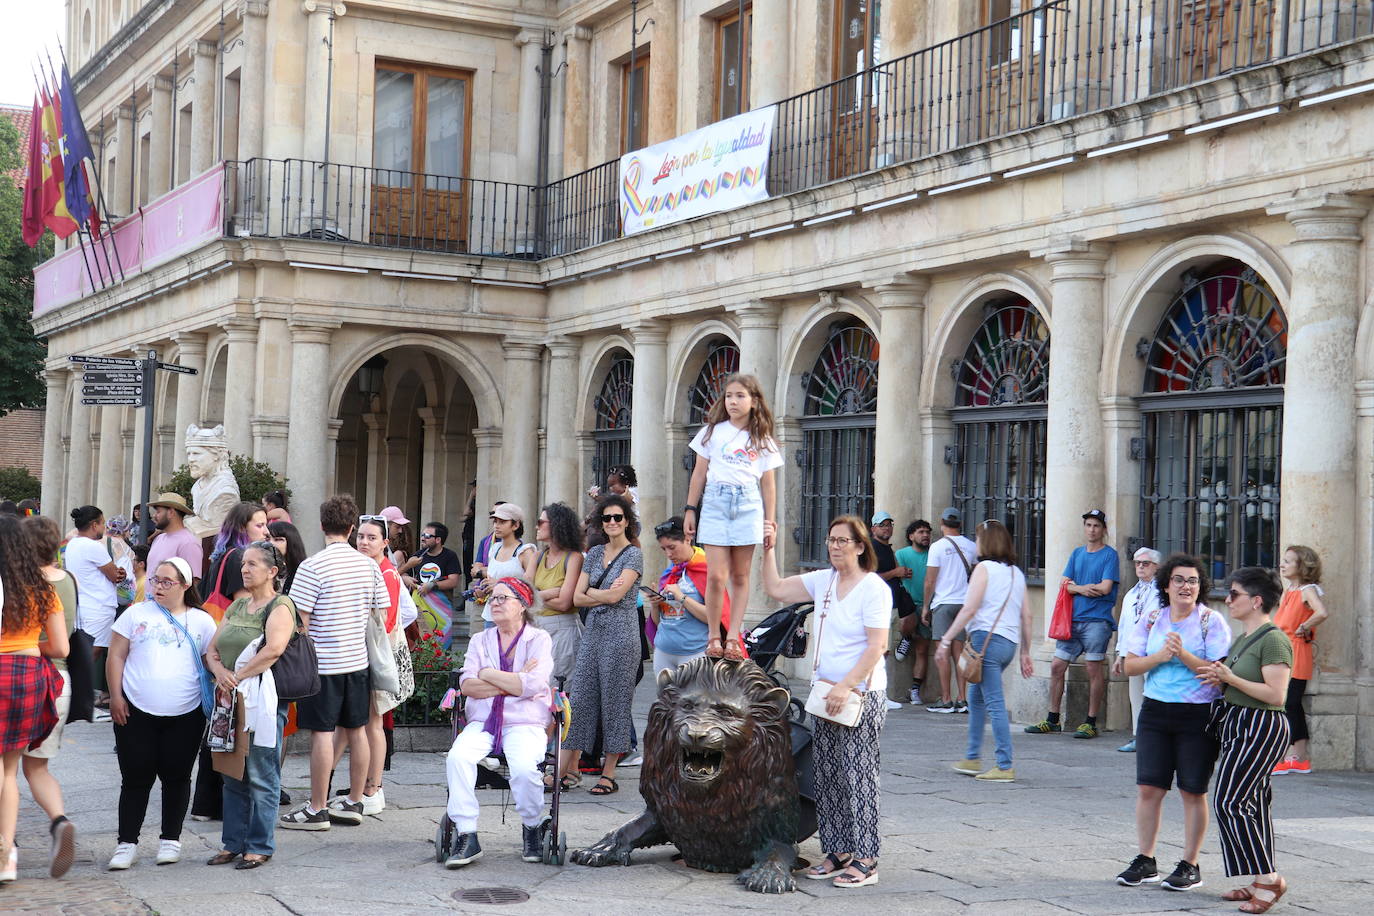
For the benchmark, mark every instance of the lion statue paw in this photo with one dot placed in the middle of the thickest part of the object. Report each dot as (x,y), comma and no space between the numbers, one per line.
(767,878)
(607,851)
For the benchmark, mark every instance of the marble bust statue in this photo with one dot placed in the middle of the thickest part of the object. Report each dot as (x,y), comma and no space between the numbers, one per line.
(215,491)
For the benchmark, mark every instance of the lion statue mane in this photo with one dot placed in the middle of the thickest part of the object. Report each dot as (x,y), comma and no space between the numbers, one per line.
(718,778)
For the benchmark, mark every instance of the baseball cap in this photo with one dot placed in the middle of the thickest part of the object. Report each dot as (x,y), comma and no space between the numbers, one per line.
(510,512)
(394,515)
(1097,514)
(951,514)
(880,517)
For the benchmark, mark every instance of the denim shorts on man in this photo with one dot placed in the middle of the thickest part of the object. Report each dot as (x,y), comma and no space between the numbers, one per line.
(1089,639)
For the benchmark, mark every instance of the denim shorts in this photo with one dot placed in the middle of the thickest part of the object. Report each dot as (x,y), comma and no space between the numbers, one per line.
(731,516)
(1089,639)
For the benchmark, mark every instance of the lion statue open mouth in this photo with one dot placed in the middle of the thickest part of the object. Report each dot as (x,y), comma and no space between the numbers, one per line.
(718,779)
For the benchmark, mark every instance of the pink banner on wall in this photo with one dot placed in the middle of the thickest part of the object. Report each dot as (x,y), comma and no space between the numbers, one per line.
(175,223)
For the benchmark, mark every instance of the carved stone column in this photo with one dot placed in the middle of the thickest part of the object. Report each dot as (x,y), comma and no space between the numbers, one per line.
(53,494)
(901,336)
(203,121)
(306,447)
(579,101)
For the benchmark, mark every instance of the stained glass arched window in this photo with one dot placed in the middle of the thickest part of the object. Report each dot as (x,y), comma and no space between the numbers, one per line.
(722,361)
(838,423)
(1212,420)
(1001,389)
(613,406)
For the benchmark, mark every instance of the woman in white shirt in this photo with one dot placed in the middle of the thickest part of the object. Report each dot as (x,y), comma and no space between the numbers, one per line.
(853,611)
(997,616)
(96,574)
(156,674)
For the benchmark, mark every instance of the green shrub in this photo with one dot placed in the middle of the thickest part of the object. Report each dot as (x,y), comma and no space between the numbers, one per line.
(17,483)
(254,478)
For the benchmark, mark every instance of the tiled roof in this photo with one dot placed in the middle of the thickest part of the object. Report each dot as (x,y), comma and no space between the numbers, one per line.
(22,118)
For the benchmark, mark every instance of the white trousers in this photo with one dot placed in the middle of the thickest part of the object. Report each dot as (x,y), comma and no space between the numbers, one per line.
(1137,690)
(524,747)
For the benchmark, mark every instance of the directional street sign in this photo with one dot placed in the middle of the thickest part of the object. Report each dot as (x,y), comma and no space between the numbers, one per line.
(113,391)
(181,370)
(112,377)
(113,401)
(111,361)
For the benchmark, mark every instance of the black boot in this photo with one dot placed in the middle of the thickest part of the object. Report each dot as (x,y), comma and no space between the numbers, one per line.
(534,841)
(465,849)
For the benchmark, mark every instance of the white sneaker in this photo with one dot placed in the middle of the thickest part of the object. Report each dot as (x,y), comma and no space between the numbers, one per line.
(633,760)
(893,704)
(374,804)
(125,855)
(168,852)
(10,870)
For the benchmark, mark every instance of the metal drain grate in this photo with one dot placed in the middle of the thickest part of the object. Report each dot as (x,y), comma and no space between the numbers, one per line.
(491,895)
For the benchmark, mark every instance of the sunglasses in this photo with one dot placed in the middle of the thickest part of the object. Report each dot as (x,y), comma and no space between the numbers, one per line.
(382,519)
(428,537)
(609,517)
(1234,595)
(665,529)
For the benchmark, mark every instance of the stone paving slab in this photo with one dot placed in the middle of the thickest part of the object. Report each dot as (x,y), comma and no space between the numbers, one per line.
(1050,844)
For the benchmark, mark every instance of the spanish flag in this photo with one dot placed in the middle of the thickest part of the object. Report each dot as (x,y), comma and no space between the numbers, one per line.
(55,214)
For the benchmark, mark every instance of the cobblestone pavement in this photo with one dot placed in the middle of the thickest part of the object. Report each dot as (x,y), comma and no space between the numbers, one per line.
(1048,844)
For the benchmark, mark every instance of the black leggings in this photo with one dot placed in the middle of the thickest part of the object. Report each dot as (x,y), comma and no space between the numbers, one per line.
(1297,718)
(153,747)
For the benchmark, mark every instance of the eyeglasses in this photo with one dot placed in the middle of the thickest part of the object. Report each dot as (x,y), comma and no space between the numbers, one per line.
(1193,581)
(498,600)
(840,542)
(609,518)
(1144,562)
(159,582)
(1234,595)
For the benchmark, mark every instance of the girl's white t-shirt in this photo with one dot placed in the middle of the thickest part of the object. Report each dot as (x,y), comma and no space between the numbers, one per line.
(844,632)
(160,676)
(732,459)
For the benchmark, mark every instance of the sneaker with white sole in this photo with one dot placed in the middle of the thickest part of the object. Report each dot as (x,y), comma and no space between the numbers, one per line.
(968,767)
(915,695)
(1185,877)
(997,774)
(465,849)
(633,760)
(125,855)
(1142,870)
(903,649)
(63,850)
(945,707)
(374,803)
(343,811)
(893,704)
(302,819)
(168,852)
(961,707)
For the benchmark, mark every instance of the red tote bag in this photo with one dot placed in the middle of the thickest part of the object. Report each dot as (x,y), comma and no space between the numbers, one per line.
(1061,623)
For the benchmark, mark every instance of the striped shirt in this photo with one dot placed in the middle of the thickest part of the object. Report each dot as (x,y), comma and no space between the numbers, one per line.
(339,587)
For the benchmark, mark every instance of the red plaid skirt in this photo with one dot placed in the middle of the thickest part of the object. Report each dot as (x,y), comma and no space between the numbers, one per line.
(29,687)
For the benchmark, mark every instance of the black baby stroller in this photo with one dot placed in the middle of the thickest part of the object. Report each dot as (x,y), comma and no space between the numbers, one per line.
(782,634)
(554,846)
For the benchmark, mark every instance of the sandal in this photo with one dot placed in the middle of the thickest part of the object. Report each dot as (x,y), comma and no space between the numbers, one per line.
(867,874)
(825,868)
(222,858)
(714,649)
(601,789)
(1256,905)
(1240,893)
(571,782)
(733,651)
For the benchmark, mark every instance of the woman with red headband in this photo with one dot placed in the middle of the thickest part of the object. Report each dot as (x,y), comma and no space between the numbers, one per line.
(506,681)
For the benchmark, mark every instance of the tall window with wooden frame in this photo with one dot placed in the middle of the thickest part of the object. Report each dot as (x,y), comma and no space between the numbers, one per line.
(1007,73)
(858,47)
(634,102)
(420,147)
(734,49)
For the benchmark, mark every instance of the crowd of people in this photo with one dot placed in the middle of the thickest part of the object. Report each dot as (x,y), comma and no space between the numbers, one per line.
(205,656)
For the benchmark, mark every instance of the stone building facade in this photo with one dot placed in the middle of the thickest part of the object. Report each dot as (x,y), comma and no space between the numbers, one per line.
(1076,257)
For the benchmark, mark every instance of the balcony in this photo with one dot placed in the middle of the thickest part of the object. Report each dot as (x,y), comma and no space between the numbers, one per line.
(1053,62)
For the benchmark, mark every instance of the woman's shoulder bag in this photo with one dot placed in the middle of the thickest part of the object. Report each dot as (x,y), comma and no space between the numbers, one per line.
(297,670)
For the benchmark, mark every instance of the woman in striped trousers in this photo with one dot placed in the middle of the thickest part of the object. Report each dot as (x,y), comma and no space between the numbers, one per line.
(1254,735)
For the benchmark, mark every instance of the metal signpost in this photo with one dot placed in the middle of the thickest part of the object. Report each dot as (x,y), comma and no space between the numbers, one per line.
(114,381)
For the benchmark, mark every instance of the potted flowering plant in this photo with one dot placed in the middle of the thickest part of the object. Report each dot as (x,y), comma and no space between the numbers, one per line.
(433,663)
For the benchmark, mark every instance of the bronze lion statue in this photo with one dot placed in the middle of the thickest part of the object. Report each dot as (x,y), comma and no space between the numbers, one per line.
(718,778)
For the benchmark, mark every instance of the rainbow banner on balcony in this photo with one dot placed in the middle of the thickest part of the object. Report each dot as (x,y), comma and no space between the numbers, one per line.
(718,167)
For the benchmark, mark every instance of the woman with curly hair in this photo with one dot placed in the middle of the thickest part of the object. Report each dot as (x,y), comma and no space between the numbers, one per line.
(555,580)
(609,656)
(29,684)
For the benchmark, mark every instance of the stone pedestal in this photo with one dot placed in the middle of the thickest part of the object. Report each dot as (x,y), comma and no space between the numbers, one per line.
(901,336)
(306,448)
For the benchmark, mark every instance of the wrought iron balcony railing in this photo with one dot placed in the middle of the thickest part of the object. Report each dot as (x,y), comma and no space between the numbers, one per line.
(1052,62)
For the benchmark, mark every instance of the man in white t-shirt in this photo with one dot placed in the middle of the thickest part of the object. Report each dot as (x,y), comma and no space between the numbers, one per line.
(339,589)
(948,566)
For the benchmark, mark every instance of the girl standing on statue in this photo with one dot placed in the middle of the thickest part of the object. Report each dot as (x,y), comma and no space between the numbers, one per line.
(732,501)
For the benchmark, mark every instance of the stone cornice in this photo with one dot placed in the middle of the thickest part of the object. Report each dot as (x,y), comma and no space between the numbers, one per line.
(1324,216)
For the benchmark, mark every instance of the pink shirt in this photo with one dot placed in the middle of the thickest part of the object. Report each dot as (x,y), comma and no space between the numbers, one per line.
(182,544)
(532,706)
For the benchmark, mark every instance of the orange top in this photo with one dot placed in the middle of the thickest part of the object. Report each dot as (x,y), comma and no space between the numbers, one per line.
(1293,611)
(28,639)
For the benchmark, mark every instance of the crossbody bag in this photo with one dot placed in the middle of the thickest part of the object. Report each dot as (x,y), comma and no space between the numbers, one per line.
(815,703)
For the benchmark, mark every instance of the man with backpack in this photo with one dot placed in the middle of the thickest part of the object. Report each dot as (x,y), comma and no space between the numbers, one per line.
(948,567)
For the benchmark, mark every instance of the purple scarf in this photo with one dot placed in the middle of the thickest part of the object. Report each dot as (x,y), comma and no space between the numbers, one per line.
(496,720)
